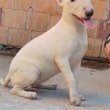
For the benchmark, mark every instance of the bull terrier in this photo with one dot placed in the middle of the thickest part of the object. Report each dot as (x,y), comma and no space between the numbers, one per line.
(60,49)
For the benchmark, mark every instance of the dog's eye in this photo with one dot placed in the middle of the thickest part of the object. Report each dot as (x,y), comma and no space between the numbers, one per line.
(72,0)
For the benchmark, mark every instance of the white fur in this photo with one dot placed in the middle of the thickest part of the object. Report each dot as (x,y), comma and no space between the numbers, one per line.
(58,50)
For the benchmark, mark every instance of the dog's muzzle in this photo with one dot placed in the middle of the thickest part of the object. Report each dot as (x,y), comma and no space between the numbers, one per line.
(88,22)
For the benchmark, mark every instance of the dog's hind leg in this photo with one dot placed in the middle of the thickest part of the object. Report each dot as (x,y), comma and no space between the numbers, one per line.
(30,88)
(24,79)
(22,93)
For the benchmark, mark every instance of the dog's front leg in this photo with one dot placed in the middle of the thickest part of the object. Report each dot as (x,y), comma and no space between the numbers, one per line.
(64,66)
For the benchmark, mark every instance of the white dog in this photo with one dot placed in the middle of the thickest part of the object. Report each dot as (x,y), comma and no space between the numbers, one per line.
(58,50)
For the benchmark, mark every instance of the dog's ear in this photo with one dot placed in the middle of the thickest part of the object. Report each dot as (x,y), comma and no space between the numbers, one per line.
(59,2)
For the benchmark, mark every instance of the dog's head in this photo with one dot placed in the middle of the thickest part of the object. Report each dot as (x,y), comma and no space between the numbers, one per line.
(82,10)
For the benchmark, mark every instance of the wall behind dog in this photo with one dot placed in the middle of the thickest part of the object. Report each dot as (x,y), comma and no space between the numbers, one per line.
(22,20)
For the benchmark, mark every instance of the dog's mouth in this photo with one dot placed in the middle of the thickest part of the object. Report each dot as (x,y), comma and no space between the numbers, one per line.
(88,22)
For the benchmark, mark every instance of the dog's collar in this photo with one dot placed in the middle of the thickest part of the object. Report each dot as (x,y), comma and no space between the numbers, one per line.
(107,40)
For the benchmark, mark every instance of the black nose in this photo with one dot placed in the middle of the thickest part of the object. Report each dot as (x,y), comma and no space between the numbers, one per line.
(89,13)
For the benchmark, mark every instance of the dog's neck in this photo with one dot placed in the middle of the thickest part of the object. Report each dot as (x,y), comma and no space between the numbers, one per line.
(72,21)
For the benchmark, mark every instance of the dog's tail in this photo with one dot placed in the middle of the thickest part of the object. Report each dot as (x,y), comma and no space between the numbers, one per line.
(5,81)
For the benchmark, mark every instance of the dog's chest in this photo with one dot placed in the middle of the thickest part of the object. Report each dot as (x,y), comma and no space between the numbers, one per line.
(78,50)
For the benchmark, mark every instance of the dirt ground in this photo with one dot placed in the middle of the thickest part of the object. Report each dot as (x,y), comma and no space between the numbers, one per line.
(94,84)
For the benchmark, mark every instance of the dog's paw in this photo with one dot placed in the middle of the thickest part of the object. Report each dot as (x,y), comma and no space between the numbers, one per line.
(25,94)
(75,101)
(32,95)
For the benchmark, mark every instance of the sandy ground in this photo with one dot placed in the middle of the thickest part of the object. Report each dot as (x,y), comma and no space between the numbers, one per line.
(93,83)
